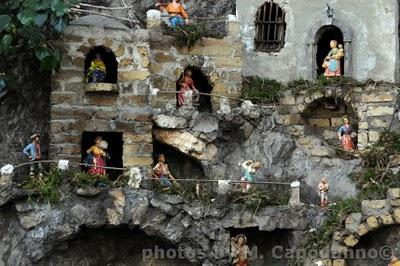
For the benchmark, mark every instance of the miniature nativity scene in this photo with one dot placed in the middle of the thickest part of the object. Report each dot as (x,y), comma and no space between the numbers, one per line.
(151,138)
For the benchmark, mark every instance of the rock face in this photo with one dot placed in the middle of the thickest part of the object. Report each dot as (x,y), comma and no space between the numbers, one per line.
(34,233)
(220,142)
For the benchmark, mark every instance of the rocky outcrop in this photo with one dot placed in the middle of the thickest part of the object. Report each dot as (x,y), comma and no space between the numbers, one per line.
(221,141)
(32,230)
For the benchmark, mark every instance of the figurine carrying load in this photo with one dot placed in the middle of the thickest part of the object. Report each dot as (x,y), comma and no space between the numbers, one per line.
(250,167)
(332,60)
(34,153)
(323,189)
(97,70)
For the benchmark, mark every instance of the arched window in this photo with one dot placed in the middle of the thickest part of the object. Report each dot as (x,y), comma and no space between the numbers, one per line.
(270,28)
(110,63)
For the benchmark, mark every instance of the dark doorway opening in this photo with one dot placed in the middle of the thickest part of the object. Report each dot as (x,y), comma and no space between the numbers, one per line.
(182,166)
(114,150)
(369,250)
(114,246)
(108,57)
(202,84)
(267,248)
(323,38)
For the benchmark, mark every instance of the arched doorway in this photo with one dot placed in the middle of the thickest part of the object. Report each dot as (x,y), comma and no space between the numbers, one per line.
(323,38)
(108,57)
(324,117)
(202,84)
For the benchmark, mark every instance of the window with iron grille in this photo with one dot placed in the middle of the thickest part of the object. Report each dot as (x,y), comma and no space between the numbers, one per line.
(270,28)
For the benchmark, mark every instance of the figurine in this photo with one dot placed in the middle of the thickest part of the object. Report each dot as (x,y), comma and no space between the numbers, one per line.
(240,252)
(97,70)
(161,172)
(177,13)
(34,153)
(347,137)
(249,168)
(394,261)
(332,60)
(186,84)
(323,189)
(97,157)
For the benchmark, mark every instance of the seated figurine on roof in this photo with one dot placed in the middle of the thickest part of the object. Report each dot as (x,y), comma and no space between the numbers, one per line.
(97,70)
(177,12)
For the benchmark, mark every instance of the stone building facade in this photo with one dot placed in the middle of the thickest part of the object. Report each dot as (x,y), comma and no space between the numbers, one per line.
(369,34)
(148,65)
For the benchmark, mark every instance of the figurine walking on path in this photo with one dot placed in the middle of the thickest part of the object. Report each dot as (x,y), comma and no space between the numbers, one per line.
(323,189)
(34,153)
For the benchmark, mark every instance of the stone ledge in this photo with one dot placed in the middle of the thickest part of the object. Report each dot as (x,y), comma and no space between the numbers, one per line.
(101,87)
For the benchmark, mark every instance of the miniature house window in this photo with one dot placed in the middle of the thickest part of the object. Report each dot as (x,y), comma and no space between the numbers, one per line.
(114,149)
(324,37)
(102,60)
(270,28)
(202,83)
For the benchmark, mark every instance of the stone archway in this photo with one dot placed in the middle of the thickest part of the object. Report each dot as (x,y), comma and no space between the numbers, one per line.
(323,116)
(315,35)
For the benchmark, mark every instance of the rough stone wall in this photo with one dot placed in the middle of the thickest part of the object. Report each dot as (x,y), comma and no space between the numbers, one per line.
(25,109)
(219,59)
(73,110)
(374,105)
(372,31)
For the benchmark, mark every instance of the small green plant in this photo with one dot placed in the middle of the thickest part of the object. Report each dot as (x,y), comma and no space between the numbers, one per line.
(262,90)
(188,35)
(256,199)
(48,187)
(84,180)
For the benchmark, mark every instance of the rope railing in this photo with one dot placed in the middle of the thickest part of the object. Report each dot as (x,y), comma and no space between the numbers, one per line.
(152,178)
(206,94)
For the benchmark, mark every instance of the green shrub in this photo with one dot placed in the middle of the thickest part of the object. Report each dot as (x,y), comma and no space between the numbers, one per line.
(48,187)
(187,35)
(84,180)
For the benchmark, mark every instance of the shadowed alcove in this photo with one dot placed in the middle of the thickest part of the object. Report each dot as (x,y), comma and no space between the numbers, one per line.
(202,84)
(268,248)
(375,248)
(324,117)
(120,246)
(323,37)
(181,165)
(108,57)
(114,150)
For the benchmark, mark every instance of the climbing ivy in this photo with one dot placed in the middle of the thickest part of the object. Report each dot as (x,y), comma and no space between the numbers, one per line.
(32,25)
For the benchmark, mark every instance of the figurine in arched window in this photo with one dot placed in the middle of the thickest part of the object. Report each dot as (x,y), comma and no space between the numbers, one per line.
(347,136)
(97,70)
(97,157)
(186,83)
(332,60)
